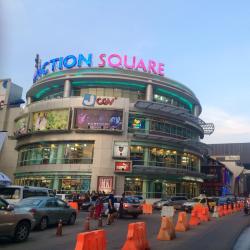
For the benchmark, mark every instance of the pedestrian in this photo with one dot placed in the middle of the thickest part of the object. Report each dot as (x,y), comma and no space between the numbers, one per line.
(98,207)
(111,208)
(121,206)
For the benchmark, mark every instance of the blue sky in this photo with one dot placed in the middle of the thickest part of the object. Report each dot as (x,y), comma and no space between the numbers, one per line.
(204,44)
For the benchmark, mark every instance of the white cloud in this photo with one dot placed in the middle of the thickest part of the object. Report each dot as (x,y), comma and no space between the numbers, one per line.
(228,127)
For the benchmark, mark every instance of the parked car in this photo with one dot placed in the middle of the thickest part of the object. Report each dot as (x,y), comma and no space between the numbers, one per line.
(14,194)
(141,199)
(188,206)
(176,201)
(48,211)
(160,203)
(131,206)
(15,223)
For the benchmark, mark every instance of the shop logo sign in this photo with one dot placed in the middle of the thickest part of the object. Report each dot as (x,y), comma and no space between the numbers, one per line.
(89,100)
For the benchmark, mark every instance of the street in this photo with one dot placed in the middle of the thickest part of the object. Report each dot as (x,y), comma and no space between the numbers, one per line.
(217,234)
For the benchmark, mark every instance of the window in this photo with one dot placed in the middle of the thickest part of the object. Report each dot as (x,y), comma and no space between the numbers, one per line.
(51,203)
(61,203)
(56,153)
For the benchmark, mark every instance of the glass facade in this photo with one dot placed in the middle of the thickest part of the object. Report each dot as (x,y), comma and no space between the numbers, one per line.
(160,188)
(56,153)
(170,100)
(58,182)
(158,126)
(133,95)
(161,157)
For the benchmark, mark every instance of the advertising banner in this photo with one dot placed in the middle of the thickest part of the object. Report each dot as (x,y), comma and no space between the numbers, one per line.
(98,119)
(21,126)
(50,120)
(105,183)
(123,166)
(121,149)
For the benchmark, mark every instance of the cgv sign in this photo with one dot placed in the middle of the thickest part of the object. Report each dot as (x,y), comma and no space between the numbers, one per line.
(103,60)
(90,100)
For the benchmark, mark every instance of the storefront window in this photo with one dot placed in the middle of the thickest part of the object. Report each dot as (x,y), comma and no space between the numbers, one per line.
(56,153)
(137,155)
(161,157)
(133,186)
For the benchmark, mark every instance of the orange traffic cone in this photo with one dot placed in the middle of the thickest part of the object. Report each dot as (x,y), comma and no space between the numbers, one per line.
(167,231)
(182,223)
(194,220)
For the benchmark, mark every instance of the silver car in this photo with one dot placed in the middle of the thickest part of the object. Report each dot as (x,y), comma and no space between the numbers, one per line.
(48,211)
(15,223)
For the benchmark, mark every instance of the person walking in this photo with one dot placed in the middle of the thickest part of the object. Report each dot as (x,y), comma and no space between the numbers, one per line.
(111,208)
(121,206)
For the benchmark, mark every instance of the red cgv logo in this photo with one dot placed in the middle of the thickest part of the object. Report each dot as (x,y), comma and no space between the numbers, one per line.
(105,101)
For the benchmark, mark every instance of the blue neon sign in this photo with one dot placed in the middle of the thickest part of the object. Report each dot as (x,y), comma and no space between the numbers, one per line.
(61,63)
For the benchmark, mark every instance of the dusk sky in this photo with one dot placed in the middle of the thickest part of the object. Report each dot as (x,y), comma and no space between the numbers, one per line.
(203,44)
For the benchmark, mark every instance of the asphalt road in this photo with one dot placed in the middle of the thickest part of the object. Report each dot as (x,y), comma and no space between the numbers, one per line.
(218,234)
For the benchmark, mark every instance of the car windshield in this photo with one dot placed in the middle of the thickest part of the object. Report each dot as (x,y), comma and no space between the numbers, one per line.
(30,203)
(132,200)
(10,193)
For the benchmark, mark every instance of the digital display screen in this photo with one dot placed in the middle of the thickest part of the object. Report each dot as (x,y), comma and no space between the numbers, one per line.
(50,120)
(98,119)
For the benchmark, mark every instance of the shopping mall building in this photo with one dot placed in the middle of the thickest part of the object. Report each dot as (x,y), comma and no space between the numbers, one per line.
(113,125)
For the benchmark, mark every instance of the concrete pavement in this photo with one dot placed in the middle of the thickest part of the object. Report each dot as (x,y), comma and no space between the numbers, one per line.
(218,234)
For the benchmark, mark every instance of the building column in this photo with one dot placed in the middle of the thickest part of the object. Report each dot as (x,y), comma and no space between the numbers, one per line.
(55,183)
(119,184)
(28,100)
(196,110)
(146,156)
(147,125)
(144,189)
(60,154)
(149,93)
(67,88)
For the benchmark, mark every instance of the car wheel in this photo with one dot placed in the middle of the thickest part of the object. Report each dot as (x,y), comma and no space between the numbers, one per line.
(43,223)
(22,231)
(135,216)
(72,219)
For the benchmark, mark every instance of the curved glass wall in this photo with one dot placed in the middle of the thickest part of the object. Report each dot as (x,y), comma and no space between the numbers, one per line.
(170,100)
(133,95)
(56,153)
(162,157)
(157,126)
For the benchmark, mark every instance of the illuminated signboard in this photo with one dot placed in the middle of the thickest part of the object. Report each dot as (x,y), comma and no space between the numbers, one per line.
(121,149)
(50,120)
(103,60)
(105,183)
(98,119)
(90,100)
(123,166)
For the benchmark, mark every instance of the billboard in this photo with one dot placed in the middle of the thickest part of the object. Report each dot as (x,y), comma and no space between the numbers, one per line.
(123,166)
(98,119)
(105,183)
(50,120)
(21,126)
(121,149)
